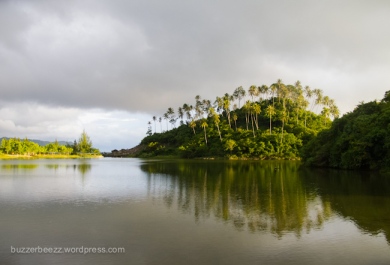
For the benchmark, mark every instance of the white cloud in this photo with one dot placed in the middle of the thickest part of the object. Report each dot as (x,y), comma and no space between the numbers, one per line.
(107,129)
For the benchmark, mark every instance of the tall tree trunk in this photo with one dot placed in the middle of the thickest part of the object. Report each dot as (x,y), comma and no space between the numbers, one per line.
(256,122)
(220,137)
(253,128)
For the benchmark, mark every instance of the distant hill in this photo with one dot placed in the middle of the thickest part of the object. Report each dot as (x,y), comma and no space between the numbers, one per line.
(42,143)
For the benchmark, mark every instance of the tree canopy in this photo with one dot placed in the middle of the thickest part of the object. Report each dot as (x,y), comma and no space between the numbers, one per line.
(85,143)
(17,146)
(263,122)
(358,140)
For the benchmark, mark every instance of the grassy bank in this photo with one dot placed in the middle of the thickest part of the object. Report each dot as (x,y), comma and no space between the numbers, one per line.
(5,156)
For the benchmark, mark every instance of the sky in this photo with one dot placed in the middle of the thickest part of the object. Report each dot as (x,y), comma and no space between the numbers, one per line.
(108,67)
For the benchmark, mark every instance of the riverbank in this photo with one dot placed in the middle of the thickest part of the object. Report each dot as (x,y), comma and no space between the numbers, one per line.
(8,157)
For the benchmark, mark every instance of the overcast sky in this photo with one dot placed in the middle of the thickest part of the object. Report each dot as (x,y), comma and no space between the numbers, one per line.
(109,66)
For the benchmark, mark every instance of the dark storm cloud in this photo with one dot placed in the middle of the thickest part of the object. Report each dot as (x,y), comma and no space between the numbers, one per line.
(148,55)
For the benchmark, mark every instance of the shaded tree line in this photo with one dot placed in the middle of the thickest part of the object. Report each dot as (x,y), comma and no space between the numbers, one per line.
(358,140)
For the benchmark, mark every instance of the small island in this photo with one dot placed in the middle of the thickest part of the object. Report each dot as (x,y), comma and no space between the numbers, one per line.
(279,121)
(262,122)
(16,148)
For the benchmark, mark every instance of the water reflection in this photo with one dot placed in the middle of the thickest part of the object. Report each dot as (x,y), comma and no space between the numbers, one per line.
(279,197)
(363,197)
(16,167)
(289,215)
(256,196)
(70,180)
(83,168)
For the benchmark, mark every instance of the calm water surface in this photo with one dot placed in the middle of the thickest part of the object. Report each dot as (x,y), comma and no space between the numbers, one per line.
(192,212)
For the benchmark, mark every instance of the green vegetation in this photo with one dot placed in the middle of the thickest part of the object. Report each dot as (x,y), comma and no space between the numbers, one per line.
(12,147)
(274,123)
(358,140)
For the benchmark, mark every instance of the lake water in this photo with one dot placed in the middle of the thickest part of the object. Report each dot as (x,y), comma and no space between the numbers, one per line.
(190,212)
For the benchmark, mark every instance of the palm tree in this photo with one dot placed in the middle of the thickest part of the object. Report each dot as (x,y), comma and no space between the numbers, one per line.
(239,93)
(216,120)
(284,93)
(284,117)
(319,95)
(235,119)
(256,111)
(226,106)
(251,113)
(308,94)
(159,120)
(270,111)
(149,132)
(206,104)
(281,88)
(204,126)
(298,85)
(272,89)
(154,119)
(334,110)
(171,116)
(186,109)
(198,107)
(299,99)
(325,112)
(180,112)
(219,103)
(326,101)
(301,104)
(193,125)
(277,87)
(263,90)
(253,92)
(166,117)
(247,107)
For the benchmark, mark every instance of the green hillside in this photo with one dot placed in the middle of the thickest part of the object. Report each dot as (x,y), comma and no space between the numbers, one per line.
(358,140)
(263,122)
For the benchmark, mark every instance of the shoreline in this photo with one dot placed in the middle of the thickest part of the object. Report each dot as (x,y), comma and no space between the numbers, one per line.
(27,157)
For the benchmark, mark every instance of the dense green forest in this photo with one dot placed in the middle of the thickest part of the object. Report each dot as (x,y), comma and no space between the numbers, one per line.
(358,140)
(263,122)
(17,146)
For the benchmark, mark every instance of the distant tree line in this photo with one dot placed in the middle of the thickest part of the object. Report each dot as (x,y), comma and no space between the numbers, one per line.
(17,146)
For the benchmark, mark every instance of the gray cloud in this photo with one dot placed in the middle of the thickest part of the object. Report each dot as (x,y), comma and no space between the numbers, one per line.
(149,55)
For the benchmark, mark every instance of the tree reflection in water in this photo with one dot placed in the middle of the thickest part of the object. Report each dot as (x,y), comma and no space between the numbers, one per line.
(16,167)
(253,195)
(363,197)
(82,168)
